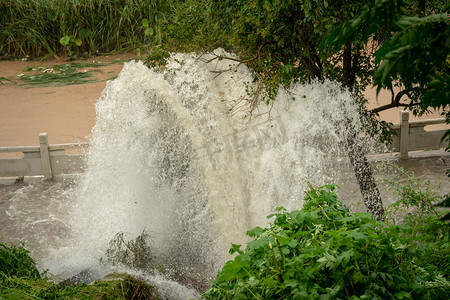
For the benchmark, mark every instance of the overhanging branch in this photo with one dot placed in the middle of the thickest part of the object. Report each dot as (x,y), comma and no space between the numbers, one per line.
(395,102)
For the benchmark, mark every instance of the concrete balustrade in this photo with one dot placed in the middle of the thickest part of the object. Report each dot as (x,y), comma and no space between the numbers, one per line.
(43,160)
(49,160)
(412,136)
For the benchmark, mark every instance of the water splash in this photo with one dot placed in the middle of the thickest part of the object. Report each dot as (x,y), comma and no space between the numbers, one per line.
(166,156)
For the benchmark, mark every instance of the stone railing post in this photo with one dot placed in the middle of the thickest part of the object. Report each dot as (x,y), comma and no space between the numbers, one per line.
(404,134)
(45,156)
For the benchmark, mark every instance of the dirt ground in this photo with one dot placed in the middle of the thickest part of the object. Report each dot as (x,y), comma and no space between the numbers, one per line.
(67,113)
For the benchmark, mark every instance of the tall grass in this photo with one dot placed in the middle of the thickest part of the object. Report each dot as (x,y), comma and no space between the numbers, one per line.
(35,27)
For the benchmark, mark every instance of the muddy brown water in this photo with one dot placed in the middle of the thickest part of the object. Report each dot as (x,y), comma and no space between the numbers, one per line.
(67,113)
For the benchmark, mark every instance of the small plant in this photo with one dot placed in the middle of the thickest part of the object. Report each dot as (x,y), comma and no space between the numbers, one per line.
(132,253)
(157,57)
(69,41)
(416,202)
(148,30)
(16,261)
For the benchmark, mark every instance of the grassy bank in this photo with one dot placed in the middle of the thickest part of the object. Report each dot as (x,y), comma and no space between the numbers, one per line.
(20,279)
(66,27)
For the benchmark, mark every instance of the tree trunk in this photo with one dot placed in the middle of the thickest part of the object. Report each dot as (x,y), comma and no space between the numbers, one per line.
(358,159)
(364,176)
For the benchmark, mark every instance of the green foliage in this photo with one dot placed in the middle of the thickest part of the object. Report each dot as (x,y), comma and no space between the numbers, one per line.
(324,251)
(69,41)
(413,196)
(20,279)
(133,253)
(157,57)
(415,53)
(359,43)
(16,261)
(40,27)
(117,287)
(278,39)
(418,37)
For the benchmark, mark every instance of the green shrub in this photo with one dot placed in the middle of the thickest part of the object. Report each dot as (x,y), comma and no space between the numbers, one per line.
(324,251)
(16,261)
(20,279)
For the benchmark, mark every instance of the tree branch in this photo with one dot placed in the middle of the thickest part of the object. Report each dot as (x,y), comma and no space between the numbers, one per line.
(258,54)
(395,102)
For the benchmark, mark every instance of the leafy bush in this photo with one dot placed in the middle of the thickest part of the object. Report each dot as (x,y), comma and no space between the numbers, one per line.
(324,251)
(20,279)
(16,261)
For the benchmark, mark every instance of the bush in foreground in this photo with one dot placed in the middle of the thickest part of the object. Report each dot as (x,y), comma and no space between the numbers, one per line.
(324,251)
(20,279)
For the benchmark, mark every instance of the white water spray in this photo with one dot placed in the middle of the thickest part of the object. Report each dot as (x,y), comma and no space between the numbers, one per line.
(166,157)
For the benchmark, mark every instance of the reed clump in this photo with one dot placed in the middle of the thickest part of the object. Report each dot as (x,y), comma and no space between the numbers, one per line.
(48,27)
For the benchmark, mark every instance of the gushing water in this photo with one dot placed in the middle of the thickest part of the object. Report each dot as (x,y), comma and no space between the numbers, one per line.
(167,156)
(172,154)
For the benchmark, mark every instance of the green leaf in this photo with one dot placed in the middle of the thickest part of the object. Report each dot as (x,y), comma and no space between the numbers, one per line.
(78,42)
(293,243)
(229,271)
(388,68)
(409,21)
(145,23)
(345,257)
(327,261)
(358,235)
(280,208)
(270,282)
(235,248)
(64,40)
(148,31)
(402,295)
(282,239)
(232,268)
(84,33)
(255,232)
